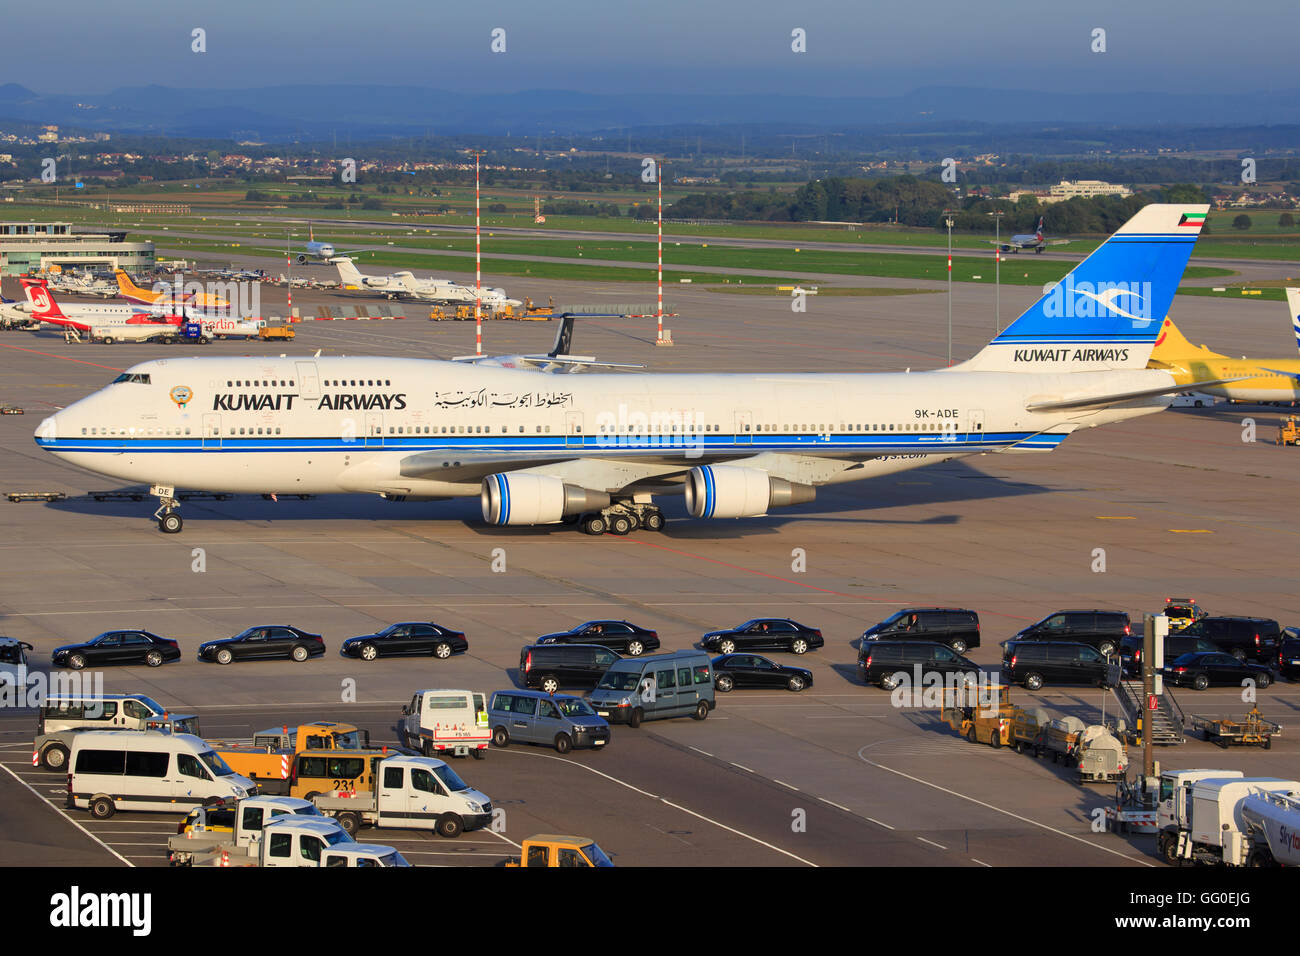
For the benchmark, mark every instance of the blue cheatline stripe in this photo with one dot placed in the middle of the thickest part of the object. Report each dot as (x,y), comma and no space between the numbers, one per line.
(712,442)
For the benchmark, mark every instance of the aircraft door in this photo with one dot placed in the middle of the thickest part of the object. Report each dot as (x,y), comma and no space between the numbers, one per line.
(976,424)
(573,429)
(308,380)
(211,432)
(744,428)
(374,430)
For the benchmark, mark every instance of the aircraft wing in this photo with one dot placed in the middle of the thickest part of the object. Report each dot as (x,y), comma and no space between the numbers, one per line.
(1118,398)
(1055,242)
(663,462)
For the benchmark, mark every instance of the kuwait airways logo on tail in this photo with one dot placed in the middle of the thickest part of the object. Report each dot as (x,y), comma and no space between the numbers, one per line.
(1074,300)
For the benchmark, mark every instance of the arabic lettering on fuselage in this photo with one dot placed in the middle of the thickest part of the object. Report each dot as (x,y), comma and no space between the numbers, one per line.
(481,397)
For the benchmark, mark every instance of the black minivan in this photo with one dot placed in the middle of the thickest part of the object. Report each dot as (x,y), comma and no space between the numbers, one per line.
(552,666)
(1038,663)
(1245,638)
(1103,630)
(879,661)
(956,627)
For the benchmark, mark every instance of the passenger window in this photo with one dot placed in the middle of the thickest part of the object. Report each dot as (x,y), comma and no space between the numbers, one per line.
(281,844)
(333,860)
(146,764)
(571,858)
(503,702)
(684,676)
(537,856)
(665,679)
(702,675)
(526,705)
(252,819)
(310,848)
(548,710)
(189,766)
(393,778)
(423,781)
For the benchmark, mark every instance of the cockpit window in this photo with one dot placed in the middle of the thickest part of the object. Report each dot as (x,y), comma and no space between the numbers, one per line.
(132,377)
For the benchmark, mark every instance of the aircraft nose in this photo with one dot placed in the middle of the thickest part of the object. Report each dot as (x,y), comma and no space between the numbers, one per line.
(47,432)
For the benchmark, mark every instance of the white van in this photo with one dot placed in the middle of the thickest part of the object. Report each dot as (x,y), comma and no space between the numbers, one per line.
(109,712)
(148,770)
(446,722)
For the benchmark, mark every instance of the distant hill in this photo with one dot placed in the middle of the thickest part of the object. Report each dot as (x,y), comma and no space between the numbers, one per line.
(319,111)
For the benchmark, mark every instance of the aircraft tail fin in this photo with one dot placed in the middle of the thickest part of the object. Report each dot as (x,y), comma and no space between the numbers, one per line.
(348,272)
(130,290)
(1038,229)
(43,305)
(1293,305)
(563,337)
(1172,348)
(1107,311)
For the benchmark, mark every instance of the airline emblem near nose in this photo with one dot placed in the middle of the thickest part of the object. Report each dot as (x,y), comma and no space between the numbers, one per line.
(181,395)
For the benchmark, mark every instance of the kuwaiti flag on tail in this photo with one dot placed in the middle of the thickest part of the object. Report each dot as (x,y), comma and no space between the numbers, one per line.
(1107,311)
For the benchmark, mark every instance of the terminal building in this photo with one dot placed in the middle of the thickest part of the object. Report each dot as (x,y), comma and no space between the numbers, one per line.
(1086,189)
(35,246)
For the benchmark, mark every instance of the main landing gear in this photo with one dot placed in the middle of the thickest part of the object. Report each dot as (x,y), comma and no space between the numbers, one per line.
(623,517)
(169,522)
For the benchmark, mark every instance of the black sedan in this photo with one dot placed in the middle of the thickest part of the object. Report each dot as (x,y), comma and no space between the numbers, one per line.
(751,670)
(262,642)
(118,647)
(764,634)
(1203,669)
(616,635)
(407,639)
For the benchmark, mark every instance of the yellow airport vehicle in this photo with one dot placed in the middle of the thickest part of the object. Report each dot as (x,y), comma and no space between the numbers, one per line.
(1260,379)
(548,849)
(982,716)
(1288,431)
(269,332)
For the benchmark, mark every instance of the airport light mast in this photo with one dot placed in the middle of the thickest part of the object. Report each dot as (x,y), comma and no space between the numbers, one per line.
(997,215)
(478,262)
(948,221)
(659,309)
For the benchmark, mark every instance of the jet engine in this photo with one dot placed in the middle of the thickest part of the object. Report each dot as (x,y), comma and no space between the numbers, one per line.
(730,491)
(535,499)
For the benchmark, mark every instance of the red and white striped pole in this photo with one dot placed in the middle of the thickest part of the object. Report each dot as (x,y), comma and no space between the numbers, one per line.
(478,266)
(659,311)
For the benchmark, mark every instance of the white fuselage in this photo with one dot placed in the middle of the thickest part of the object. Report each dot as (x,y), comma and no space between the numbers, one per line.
(432,428)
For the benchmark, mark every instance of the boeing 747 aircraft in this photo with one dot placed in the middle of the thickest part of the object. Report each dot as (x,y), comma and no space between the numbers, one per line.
(596,449)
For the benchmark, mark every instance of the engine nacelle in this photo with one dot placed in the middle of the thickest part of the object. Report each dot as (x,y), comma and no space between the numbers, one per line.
(535,499)
(301,259)
(731,491)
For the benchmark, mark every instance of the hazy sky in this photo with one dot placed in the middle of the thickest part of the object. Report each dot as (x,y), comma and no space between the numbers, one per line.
(854,47)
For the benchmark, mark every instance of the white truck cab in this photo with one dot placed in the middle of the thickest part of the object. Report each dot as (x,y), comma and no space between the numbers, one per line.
(1175,794)
(412,793)
(362,854)
(251,816)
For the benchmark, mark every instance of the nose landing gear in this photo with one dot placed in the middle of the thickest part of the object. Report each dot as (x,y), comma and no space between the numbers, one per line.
(169,522)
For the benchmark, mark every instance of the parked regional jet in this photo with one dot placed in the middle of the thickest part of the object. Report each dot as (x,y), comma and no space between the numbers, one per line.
(1027,240)
(94,318)
(405,285)
(1243,380)
(168,299)
(1293,306)
(595,449)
